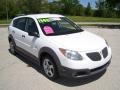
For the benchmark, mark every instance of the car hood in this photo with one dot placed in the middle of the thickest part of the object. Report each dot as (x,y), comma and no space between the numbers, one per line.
(82,41)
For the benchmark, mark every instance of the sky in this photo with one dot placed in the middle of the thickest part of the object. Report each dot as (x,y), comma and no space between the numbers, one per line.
(85,2)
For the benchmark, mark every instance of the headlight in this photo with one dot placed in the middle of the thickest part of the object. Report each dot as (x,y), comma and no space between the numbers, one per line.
(73,55)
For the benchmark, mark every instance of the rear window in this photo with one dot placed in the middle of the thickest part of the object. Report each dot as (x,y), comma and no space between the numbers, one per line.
(19,23)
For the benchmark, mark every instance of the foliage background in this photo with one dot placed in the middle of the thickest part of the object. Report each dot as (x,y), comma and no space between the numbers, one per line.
(104,8)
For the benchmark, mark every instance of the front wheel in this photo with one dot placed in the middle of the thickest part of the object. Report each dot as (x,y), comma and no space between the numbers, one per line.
(49,68)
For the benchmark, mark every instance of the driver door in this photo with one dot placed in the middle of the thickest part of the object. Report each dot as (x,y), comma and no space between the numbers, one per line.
(31,41)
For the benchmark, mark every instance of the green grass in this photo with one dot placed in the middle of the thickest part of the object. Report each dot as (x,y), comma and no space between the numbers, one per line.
(80,19)
(5,21)
(93,19)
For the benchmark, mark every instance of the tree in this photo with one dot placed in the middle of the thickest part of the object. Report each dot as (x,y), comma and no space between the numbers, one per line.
(115,4)
(100,5)
(29,6)
(8,8)
(69,6)
(55,7)
(118,11)
(106,8)
(2,9)
(88,11)
(33,6)
(79,10)
(12,8)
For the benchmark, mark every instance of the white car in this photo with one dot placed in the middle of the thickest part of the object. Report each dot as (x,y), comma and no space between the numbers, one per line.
(58,45)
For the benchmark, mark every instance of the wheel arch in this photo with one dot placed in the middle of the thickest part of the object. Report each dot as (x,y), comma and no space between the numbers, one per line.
(10,37)
(48,51)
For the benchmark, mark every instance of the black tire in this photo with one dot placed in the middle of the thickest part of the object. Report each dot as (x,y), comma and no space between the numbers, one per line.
(53,73)
(12,47)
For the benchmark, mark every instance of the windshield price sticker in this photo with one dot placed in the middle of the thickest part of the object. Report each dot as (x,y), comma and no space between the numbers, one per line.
(48,30)
(43,20)
(46,20)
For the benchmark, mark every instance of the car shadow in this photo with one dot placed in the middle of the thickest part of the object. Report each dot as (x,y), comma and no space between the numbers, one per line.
(69,82)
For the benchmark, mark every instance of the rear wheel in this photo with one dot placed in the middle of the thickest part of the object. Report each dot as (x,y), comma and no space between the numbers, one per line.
(49,68)
(12,47)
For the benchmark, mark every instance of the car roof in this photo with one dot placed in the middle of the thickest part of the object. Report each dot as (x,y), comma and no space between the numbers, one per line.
(41,15)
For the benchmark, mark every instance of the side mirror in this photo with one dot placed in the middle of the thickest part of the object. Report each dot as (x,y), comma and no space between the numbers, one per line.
(33,34)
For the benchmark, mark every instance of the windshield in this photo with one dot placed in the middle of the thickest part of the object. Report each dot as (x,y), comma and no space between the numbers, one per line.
(58,26)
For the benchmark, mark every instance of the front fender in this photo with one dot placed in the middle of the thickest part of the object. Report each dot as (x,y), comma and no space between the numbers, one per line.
(51,53)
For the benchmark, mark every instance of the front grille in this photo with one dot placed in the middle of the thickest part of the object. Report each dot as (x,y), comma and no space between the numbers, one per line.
(105,52)
(95,56)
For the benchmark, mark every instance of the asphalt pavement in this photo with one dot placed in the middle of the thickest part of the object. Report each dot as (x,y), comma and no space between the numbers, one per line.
(18,73)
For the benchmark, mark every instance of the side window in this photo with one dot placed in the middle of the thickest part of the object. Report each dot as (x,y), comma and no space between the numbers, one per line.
(20,23)
(15,23)
(31,26)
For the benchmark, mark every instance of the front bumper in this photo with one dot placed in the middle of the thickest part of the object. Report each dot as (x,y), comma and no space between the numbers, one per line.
(67,72)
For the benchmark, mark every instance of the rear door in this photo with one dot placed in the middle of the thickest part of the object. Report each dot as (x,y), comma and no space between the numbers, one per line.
(19,31)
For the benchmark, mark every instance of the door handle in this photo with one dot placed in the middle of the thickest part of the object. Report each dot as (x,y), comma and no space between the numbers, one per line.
(13,31)
(23,36)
